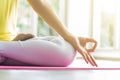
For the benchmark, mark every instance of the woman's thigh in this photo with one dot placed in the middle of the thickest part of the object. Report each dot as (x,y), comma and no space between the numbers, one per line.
(50,51)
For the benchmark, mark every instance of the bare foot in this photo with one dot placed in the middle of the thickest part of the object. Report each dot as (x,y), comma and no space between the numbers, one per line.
(23,37)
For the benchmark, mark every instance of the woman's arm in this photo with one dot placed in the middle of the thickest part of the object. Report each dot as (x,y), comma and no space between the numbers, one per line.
(47,13)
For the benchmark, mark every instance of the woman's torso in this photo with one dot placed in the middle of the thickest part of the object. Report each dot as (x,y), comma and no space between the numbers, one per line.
(8,10)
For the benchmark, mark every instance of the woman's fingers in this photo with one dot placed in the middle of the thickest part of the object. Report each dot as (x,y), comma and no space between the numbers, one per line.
(94,45)
(84,41)
(79,44)
(83,53)
(87,57)
(91,60)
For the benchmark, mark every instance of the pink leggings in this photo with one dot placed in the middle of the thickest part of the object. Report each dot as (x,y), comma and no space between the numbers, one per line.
(44,51)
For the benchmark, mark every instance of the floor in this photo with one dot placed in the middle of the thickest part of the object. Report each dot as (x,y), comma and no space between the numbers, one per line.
(101,64)
(60,75)
(79,74)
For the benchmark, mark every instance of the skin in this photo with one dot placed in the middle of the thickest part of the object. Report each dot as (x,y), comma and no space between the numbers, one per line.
(23,37)
(42,8)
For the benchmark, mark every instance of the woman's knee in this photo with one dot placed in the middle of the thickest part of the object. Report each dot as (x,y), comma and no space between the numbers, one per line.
(67,51)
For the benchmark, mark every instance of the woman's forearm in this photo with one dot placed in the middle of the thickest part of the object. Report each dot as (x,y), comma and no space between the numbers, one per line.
(46,12)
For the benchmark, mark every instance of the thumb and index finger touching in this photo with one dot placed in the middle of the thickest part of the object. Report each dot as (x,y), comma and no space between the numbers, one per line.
(91,43)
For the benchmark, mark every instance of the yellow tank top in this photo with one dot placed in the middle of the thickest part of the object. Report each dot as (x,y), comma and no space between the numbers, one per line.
(8,9)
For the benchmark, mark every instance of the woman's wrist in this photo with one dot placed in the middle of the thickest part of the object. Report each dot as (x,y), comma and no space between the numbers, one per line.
(68,36)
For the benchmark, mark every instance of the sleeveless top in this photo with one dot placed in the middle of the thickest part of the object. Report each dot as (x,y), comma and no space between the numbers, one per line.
(8,9)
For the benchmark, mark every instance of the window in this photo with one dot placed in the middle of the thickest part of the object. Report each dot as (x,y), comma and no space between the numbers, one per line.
(78,17)
(99,19)
(91,18)
(24,17)
(96,18)
(29,22)
(107,17)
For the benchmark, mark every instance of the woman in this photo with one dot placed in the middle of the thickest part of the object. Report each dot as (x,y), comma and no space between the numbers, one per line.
(8,31)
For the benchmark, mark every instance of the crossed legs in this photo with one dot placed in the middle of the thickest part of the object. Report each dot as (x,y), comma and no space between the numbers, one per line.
(47,51)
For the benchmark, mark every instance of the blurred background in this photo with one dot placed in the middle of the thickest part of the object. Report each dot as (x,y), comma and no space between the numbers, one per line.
(99,19)
(90,18)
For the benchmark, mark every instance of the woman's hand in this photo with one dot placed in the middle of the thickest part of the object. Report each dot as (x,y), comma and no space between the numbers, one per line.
(79,43)
(84,41)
